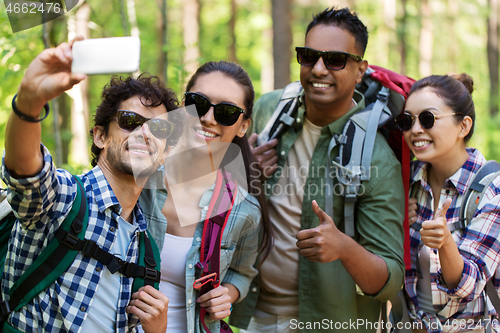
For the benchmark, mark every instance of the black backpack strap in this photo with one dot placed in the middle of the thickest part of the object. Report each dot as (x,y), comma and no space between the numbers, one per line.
(284,114)
(114,263)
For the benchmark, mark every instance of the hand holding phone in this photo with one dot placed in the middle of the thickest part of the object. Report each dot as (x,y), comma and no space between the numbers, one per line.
(106,55)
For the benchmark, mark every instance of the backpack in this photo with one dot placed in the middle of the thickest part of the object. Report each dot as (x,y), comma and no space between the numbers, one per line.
(385,94)
(208,268)
(61,251)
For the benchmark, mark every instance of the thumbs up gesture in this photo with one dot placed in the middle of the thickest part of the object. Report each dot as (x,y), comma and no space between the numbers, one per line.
(323,243)
(435,233)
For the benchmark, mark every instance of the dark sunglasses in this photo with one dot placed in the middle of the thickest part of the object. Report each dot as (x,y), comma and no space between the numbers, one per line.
(224,113)
(332,59)
(129,121)
(405,121)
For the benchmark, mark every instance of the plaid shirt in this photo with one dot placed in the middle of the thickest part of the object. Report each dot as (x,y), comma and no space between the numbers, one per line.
(479,245)
(41,203)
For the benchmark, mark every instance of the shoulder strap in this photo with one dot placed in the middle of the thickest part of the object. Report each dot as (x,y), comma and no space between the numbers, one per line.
(475,192)
(284,114)
(209,265)
(53,260)
(149,257)
(62,250)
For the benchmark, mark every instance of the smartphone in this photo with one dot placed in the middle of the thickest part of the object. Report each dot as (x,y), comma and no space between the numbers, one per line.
(106,55)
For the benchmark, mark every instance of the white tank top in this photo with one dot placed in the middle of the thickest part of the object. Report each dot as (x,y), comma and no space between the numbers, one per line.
(173,280)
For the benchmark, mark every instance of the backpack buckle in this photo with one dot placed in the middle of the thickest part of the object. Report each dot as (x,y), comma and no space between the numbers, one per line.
(383,95)
(90,248)
(70,241)
(198,283)
(152,274)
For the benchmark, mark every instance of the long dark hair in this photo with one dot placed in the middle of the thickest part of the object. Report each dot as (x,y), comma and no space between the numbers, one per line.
(455,91)
(238,74)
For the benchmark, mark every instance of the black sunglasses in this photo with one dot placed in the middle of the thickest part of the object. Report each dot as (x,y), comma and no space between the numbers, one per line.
(224,113)
(405,121)
(332,59)
(129,121)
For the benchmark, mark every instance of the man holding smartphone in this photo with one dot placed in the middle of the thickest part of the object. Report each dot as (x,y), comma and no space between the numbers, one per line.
(130,134)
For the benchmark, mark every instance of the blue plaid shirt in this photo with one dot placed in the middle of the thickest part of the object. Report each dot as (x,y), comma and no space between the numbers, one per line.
(460,308)
(41,203)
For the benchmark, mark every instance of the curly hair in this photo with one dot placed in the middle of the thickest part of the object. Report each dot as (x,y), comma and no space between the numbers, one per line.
(152,93)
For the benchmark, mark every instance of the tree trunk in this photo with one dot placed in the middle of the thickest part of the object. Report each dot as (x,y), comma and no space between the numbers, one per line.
(282,42)
(426,39)
(387,33)
(162,43)
(267,69)
(134,29)
(493,53)
(232,33)
(453,48)
(124,18)
(191,34)
(79,152)
(402,38)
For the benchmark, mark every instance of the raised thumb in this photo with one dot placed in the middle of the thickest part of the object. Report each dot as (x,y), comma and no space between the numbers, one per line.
(442,211)
(323,217)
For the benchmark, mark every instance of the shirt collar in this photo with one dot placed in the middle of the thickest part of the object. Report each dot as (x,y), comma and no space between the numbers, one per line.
(104,195)
(337,126)
(460,179)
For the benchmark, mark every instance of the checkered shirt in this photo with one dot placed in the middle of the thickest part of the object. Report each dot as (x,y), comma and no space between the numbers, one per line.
(479,246)
(41,204)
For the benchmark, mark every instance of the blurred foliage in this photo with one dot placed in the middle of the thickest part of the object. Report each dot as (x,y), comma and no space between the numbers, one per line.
(253,23)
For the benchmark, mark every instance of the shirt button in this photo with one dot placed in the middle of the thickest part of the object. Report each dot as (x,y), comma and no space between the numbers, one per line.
(189,302)
(283,153)
(268,185)
(190,266)
(298,120)
(98,269)
(205,208)
(83,309)
(112,229)
(198,239)
(447,191)
(254,289)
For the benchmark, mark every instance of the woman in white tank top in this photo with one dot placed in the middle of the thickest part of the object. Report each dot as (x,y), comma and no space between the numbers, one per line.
(219,101)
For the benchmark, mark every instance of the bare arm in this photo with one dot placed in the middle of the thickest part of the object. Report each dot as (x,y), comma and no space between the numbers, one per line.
(48,76)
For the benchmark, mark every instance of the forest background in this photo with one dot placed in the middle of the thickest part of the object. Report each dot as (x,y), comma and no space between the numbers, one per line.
(413,37)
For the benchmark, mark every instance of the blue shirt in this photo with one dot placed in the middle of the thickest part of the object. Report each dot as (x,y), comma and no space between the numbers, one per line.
(41,204)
